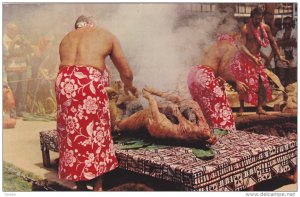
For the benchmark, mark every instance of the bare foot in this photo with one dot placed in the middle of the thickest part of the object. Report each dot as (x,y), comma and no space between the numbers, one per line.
(240,112)
(260,111)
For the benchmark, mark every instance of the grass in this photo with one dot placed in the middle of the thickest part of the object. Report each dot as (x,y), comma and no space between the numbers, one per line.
(13,180)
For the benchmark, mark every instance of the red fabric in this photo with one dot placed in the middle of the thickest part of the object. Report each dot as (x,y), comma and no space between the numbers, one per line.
(226,37)
(86,149)
(209,92)
(248,72)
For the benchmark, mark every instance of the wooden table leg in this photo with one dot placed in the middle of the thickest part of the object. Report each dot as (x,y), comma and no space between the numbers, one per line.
(251,188)
(46,156)
(292,176)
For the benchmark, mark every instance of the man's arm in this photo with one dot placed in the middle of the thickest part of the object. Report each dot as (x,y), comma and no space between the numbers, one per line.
(274,44)
(122,66)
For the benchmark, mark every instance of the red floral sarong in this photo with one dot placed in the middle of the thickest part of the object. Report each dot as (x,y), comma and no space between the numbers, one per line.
(86,149)
(248,72)
(209,92)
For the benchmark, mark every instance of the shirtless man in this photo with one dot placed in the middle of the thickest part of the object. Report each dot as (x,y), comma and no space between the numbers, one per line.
(86,148)
(206,82)
(250,70)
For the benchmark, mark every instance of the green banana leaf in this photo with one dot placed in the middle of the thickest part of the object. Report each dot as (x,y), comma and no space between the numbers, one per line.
(202,154)
(126,143)
(220,132)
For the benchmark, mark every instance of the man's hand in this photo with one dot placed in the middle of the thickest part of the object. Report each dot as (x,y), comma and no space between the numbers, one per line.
(241,87)
(257,61)
(131,89)
(283,60)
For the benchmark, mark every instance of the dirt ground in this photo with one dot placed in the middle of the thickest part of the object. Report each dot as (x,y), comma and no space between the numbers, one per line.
(21,147)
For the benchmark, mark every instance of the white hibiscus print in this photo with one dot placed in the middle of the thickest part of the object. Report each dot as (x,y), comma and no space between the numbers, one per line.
(88,162)
(225,113)
(251,81)
(72,124)
(106,157)
(73,109)
(218,91)
(101,167)
(69,158)
(95,75)
(99,135)
(111,149)
(206,102)
(69,88)
(202,78)
(106,108)
(90,105)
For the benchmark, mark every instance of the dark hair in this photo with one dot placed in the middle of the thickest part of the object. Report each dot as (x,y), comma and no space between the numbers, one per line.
(288,18)
(256,11)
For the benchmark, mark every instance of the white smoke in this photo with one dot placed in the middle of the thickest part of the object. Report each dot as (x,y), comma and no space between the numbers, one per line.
(159,43)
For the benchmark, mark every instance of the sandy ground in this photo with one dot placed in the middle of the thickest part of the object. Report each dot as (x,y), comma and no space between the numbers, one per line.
(21,147)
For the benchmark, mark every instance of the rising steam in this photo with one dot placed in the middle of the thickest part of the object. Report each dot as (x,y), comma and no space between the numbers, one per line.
(159,40)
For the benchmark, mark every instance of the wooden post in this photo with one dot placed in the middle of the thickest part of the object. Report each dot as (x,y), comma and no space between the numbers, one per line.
(292,175)
(46,156)
(251,188)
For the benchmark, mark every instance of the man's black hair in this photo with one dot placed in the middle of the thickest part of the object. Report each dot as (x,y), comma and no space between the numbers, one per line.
(256,11)
(288,18)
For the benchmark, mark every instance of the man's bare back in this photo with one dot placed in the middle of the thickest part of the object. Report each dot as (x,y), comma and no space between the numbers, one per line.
(218,57)
(86,46)
(89,46)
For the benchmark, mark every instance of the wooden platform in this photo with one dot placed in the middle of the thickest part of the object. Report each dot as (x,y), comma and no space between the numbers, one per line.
(253,118)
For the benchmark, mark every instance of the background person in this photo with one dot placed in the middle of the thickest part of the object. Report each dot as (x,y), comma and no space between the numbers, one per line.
(16,51)
(287,40)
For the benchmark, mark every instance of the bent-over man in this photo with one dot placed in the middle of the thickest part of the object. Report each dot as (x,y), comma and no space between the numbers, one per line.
(206,82)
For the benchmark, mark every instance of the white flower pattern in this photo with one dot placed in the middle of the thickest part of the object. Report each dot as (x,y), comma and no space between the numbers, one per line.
(69,88)
(72,124)
(84,123)
(68,158)
(206,89)
(90,105)
(245,70)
